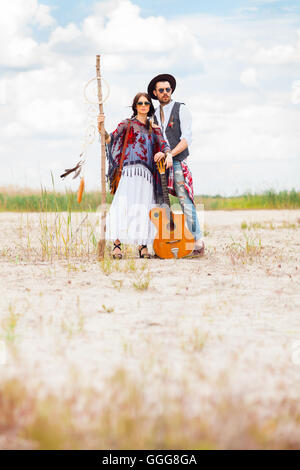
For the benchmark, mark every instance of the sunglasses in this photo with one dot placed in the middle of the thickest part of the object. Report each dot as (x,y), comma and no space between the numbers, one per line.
(161,90)
(140,103)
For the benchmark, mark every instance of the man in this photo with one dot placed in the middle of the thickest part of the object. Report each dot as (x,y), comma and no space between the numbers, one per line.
(175,122)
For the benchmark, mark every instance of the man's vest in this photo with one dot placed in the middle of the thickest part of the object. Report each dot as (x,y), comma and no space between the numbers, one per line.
(173,131)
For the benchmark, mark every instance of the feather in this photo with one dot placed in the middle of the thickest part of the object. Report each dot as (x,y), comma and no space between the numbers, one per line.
(76,168)
(77,173)
(80,191)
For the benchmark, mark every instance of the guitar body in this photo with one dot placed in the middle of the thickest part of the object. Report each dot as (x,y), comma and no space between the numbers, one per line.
(173,239)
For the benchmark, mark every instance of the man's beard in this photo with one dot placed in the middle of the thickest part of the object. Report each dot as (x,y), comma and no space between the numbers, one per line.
(162,100)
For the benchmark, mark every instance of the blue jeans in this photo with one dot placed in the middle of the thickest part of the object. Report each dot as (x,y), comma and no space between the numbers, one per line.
(187,205)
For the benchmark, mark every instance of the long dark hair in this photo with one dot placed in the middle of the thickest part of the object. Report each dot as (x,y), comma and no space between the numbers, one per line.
(151,109)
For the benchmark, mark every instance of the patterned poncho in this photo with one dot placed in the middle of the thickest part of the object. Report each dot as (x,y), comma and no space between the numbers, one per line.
(141,147)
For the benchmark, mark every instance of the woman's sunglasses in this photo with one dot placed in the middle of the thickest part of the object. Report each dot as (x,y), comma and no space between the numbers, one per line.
(140,103)
(161,90)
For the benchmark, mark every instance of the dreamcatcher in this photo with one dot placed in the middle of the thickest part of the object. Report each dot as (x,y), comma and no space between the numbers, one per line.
(94,102)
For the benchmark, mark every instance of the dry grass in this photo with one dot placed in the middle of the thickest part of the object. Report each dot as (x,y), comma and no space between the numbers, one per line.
(13,190)
(62,236)
(268,225)
(171,325)
(246,251)
(122,417)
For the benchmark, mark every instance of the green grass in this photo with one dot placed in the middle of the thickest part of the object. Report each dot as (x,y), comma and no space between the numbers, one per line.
(266,200)
(52,201)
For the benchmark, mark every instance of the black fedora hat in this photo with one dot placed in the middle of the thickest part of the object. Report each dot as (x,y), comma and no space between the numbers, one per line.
(163,77)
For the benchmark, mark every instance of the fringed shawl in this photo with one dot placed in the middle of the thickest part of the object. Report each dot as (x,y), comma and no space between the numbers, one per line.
(142,145)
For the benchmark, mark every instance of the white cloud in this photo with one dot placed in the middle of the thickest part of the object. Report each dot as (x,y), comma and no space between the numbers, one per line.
(43,16)
(117,29)
(249,77)
(67,34)
(17,46)
(248,10)
(278,54)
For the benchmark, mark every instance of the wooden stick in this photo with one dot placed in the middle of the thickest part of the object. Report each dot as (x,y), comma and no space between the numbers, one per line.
(101,243)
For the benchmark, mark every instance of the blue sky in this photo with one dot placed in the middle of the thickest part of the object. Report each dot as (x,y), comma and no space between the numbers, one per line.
(67,11)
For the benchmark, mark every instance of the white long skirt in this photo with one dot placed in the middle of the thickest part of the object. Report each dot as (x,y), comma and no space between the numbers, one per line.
(128,217)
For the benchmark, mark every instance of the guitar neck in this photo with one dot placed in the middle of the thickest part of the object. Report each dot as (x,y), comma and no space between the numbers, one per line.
(165,189)
(166,197)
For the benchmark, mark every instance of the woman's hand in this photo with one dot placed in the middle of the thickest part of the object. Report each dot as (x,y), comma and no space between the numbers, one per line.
(158,156)
(101,118)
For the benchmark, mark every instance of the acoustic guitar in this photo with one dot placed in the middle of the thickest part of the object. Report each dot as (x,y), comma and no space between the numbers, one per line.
(173,239)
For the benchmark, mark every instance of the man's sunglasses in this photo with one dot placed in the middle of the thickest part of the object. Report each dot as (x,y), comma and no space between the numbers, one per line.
(161,90)
(140,103)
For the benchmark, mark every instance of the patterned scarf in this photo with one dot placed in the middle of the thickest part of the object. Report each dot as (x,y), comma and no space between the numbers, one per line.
(188,180)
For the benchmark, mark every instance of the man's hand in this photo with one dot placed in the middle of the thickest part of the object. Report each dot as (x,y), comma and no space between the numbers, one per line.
(169,161)
(158,156)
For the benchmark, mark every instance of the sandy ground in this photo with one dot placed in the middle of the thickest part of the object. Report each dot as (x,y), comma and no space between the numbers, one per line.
(227,323)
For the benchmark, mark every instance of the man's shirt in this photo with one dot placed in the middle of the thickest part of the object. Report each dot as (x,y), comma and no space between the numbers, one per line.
(185,121)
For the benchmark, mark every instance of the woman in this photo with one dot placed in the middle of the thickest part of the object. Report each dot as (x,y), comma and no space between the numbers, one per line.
(139,187)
